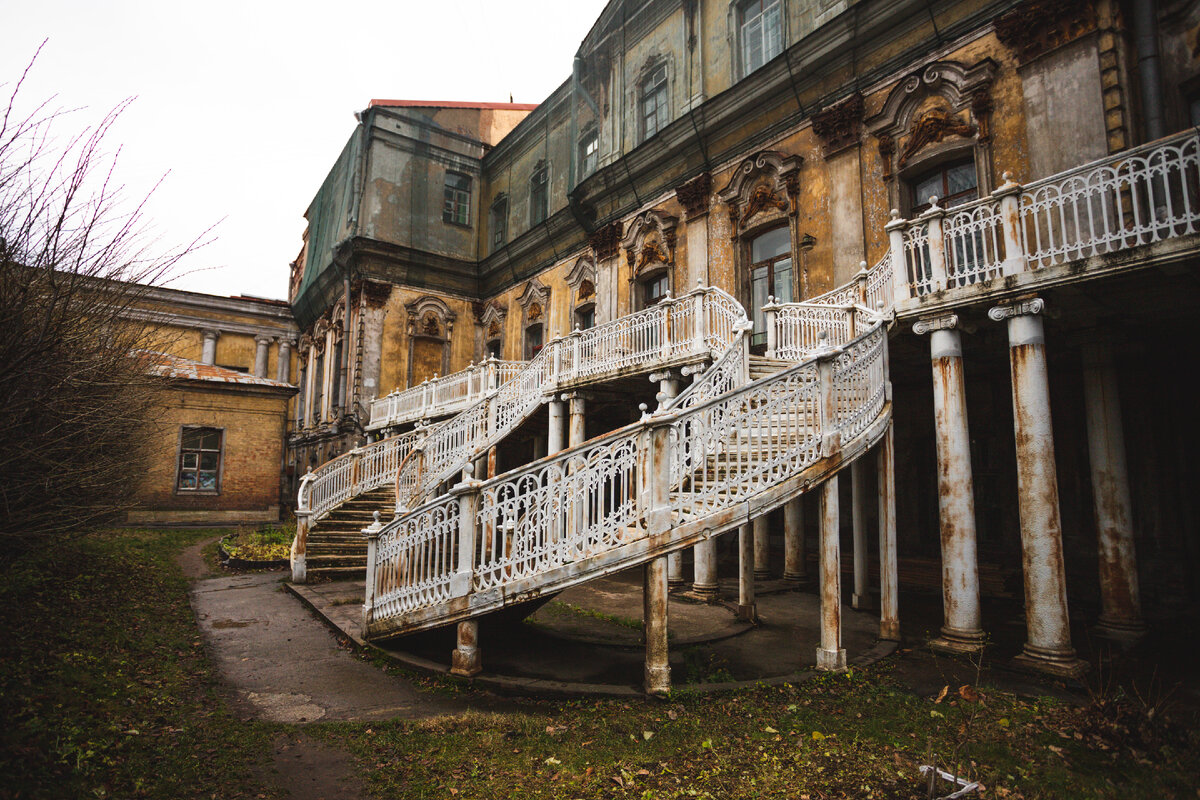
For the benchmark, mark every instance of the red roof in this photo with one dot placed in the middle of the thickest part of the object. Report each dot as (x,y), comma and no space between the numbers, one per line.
(169,366)
(453,104)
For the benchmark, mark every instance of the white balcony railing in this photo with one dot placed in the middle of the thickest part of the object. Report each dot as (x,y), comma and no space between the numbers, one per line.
(1137,197)
(440,396)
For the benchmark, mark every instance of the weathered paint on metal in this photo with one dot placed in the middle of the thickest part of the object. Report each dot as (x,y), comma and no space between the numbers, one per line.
(794,568)
(746,608)
(830,655)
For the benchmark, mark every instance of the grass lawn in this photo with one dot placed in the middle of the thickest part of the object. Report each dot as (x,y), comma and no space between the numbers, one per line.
(106,693)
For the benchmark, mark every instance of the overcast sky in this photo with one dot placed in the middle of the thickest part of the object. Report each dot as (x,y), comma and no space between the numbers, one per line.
(247,104)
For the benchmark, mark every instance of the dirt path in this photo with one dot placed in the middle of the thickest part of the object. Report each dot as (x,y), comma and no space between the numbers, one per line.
(283,665)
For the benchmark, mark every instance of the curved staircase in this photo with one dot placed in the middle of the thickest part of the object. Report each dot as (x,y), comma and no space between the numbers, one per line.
(749,434)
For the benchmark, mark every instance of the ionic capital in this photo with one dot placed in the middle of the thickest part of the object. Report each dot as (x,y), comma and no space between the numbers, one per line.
(1025,308)
(931,324)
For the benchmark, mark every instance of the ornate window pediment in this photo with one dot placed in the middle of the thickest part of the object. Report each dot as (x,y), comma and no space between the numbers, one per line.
(535,301)
(492,320)
(582,280)
(650,242)
(430,317)
(941,100)
(767,183)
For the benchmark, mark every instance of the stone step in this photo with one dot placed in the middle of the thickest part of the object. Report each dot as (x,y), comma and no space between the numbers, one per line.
(339,573)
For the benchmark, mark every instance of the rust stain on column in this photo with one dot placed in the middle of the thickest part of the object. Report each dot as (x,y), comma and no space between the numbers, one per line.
(655,598)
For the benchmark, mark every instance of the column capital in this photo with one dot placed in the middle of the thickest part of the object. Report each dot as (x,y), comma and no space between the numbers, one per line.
(263,339)
(210,333)
(1019,309)
(666,375)
(576,395)
(931,324)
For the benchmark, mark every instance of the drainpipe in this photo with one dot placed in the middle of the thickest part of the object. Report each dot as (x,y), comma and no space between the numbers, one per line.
(1145,32)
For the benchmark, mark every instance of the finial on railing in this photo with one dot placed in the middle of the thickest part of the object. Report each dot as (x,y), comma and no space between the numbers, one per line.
(895,214)
(376,515)
(645,409)
(862,268)
(933,198)
(469,471)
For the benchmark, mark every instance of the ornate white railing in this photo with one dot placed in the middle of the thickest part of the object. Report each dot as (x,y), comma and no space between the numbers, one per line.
(361,470)
(439,396)
(1137,197)
(695,325)
(558,518)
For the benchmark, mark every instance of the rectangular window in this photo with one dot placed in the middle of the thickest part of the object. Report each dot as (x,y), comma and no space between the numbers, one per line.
(654,102)
(539,195)
(533,341)
(655,289)
(199,460)
(586,317)
(498,223)
(589,153)
(457,205)
(493,348)
(761,33)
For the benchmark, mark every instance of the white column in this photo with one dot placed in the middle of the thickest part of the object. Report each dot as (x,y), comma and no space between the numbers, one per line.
(794,567)
(578,419)
(262,354)
(762,546)
(858,484)
(1048,646)
(556,432)
(654,613)
(830,654)
(705,555)
(1121,606)
(746,610)
(283,370)
(889,586)
(208,353)
(962,631)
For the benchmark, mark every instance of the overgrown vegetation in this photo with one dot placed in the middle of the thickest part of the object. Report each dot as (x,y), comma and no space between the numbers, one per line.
(105,692)
(104,686)
(859,735)
(75,390)
(272,543)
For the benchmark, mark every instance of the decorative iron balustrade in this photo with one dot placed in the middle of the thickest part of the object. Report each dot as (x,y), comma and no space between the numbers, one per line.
(441,395)
(1137,197)
(557,518)
(674,329)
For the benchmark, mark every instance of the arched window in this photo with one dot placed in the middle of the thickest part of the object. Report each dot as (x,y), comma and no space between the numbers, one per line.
(770,275)
(539,194)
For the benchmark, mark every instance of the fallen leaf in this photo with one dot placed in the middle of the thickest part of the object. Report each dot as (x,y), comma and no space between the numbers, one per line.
(769,729)
(968,693)
(942,694)
(817,736)
(552,762)
(647,735)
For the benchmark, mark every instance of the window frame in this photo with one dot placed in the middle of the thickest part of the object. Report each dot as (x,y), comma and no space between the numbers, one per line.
(654,86)
(182,450)
(530,349)
(456,200)
(498,223)
(942,167)
(539,194)
(759,338)
(742,22)
(589,150)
